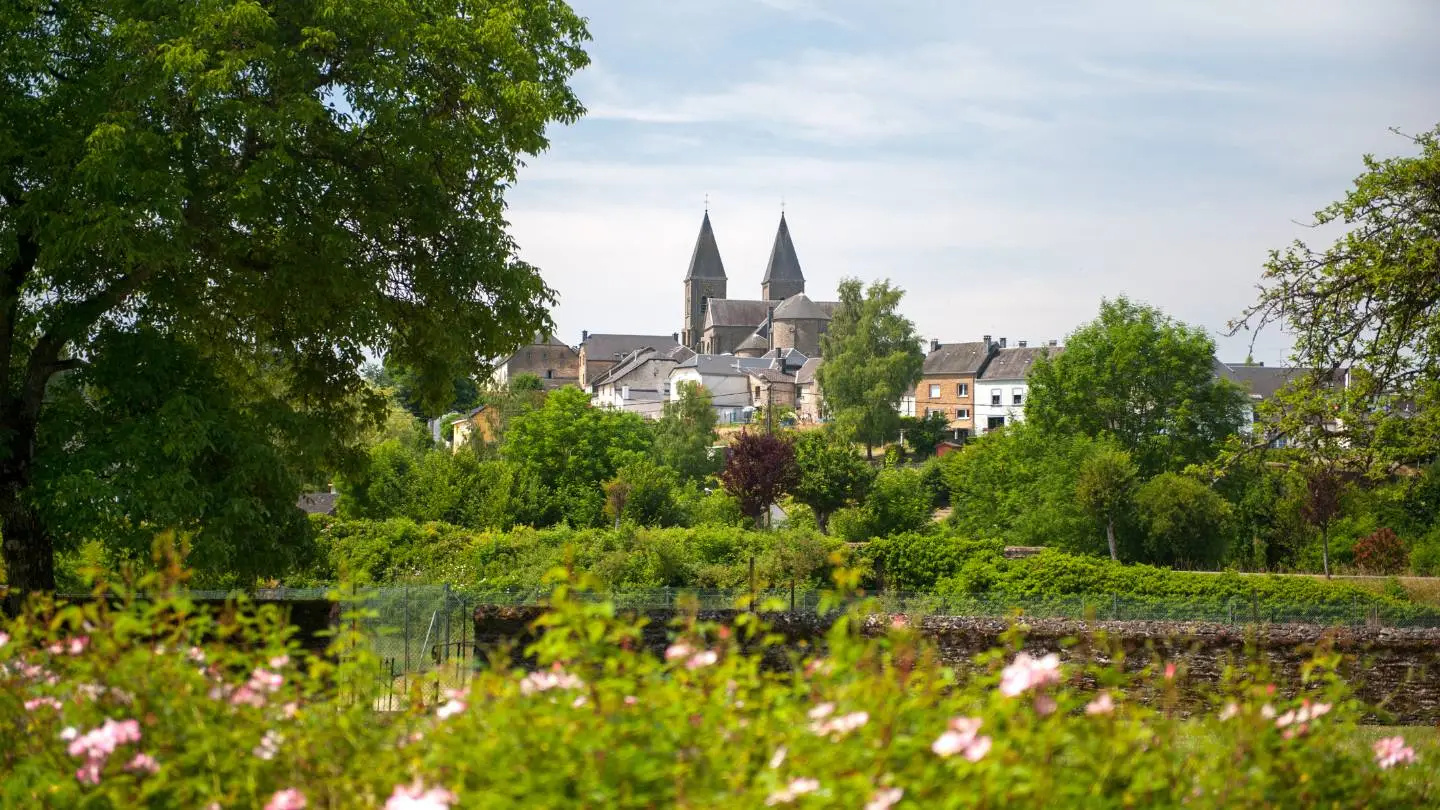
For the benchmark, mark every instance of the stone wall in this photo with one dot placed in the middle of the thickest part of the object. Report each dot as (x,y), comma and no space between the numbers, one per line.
(1395,670)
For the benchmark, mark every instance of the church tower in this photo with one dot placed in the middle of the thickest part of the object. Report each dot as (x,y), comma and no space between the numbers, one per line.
(705,280)
(782,277)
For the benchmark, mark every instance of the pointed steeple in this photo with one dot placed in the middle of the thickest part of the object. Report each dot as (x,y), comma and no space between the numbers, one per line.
(705,261)
(782,276)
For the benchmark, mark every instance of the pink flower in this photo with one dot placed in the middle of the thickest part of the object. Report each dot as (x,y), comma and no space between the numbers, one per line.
(244,696)
(263,680)
(269,745)
(78,644)
(450,709)
(884,798)
(419,797)
(290,710)
(35,703)
(631,700)
(1026,673)
(778,758)
(4,638)
(821,711)
(1267,711)
(579,702)
(142,763)
(1231,709)
(1103,704)
(196,655)
(99,743)
(1170,670)
(546,681)
(279,662)
(1044,705)
(287,799)
(1285,719)
(678,650)
(89,773)
(839,726)
(704,658)
(1392,751)
(798,787)
(962,737)
(69,733)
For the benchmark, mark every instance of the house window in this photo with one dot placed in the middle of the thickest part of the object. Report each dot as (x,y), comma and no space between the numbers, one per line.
(962,413)
(962,389)
(1017,396)
(935,391)
(995,422)
(549,373)
(995,397)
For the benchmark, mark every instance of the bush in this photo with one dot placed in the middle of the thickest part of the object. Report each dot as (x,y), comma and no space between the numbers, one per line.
(915,561)
(1425,557)
(159,705)
(898,502)
(1380,552)
(1184,521)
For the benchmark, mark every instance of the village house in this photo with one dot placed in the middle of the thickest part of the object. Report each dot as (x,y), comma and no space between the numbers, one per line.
(725,378)
(947,382)
(599,353)
(1261,383)
(1002,388)
(809,405)
(641,382)
(546,357)
(771,388)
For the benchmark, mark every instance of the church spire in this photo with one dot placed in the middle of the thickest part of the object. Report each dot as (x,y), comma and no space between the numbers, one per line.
(705,261)
(782,276)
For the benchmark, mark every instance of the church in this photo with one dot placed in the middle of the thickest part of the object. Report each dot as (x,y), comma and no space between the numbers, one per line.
(783,317)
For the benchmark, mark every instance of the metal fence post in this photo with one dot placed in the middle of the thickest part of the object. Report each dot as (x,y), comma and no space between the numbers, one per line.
(405,617)
(1115,607)
(752,583)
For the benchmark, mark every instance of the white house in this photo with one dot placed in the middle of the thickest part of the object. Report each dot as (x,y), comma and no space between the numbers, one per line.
(1001,389)
(725,378)
(640,382)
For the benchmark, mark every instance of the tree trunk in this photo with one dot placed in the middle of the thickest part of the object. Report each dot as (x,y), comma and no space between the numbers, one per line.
(29,551)
(869,452)
(1325,549)
(1110,538)
(822,521)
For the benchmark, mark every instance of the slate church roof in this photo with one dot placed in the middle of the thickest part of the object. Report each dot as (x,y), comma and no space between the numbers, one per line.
(705,261)
(784,264)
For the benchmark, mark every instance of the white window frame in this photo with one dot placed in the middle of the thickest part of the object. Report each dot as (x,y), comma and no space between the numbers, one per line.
(997,396)
(962,389)
(1017,396)
(934,390)
(962,413)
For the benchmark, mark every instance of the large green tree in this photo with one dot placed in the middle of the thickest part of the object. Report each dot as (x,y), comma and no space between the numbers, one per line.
(1147,380)
(685,435)
(1104,486)
(571,444)
(294,182)
(872,359)
(1366,301)
(831,474)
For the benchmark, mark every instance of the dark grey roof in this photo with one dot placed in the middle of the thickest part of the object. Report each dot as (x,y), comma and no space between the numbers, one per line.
(755,341)
(799,307)
(737,312)
(723,365)
(806,374)
(705,260)
(605,347)
(784,265)
(770,374)
(1262,381)
(1014,364)
(956,358)
(318,503)
(828,307)
(631,362)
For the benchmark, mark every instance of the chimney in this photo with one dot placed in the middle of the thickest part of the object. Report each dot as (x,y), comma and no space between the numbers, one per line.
(675,336)
(584,335)
(987,343)
(1021,344)
(1002,342)
(1053,343)
(934,344)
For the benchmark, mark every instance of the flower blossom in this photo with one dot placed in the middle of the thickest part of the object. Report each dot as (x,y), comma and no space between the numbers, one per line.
(101,742)
(545,681)
(678,650)
(798,787)
(1392,751)
(884,798)
(455,704)
(1231,709)
(196,655)
(287,799)
(839,726)
(1026,673)
(821,711)
(1104,704)
(1170,671)
(1267,711)
(704,658)
(962,737)
(263,680)
(280,661)
(419,797)
(778,758)
(34,703)
(142,763)
(4,638)
(269,745)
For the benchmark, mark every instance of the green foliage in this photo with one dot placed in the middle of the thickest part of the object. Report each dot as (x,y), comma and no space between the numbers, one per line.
(1104,485)
(898,502)
(265,182)
(403,386)
(925,434)
(227,710)
(1425,556)
(685,434)
(1144,379)
(916,561)
(572,445)
(437,485)
(872,358)
(831,474)
(649,498)
(1184,521)
(1366,302)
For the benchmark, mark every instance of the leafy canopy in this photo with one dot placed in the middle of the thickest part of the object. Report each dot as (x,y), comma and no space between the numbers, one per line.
(831,474)
(685,434)
(872,358)
(1147,380)
(760,468)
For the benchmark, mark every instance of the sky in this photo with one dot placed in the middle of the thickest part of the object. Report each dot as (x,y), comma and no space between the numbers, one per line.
(1007,164)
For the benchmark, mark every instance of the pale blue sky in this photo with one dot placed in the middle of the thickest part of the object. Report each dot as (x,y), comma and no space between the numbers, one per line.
(1008,164)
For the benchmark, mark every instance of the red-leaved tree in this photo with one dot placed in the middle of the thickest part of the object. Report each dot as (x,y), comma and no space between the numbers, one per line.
(760,469)
(1381,553)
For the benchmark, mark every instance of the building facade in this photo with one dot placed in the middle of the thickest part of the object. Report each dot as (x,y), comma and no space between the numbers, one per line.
(546,357)
(1002,389)
(598,353)
(947,382)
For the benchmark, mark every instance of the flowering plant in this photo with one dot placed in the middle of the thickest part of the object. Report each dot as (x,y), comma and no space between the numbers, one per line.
(121,702)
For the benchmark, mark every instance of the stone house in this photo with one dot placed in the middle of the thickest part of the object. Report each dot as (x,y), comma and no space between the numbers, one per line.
(599,353)
(641,382)
(725,378)
(809,405)
(771,388)
(548,358)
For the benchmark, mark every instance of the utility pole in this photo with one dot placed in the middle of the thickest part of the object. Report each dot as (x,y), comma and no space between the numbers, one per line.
(770,406)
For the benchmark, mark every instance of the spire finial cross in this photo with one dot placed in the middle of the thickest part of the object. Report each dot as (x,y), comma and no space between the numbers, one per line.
(707,202)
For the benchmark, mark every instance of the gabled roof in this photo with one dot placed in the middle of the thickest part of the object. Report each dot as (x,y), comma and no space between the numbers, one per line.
(957,358)
(318,503)
(784,265)
(755,341)
(770,375)
(640,357)
(705,260)
(1258,380)
(806,374)
(737,312)
(723,365)
(1014,364)
(605,347)
(799,307)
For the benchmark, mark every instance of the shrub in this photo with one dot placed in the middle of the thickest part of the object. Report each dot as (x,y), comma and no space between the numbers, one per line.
(161,705)
(899,502)
(1425,557)
(1184,521)
(1380,552)
(915,561)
